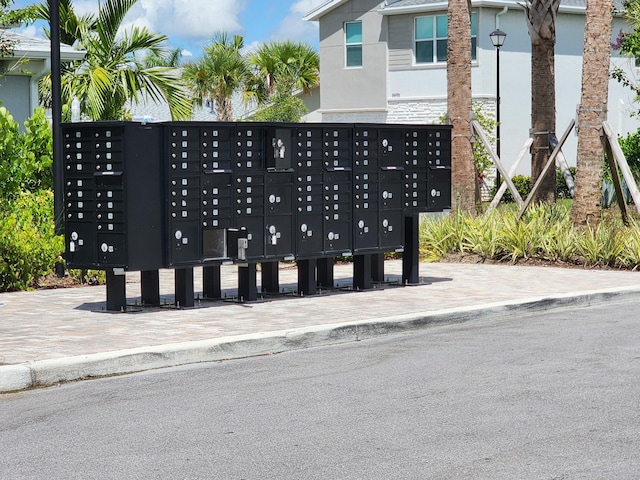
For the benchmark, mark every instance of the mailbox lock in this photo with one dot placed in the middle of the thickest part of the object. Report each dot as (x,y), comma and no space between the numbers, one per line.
(272,229)
(74,236)
(331,236)
(361,224)
(178,234)
(104,247)
(304,228)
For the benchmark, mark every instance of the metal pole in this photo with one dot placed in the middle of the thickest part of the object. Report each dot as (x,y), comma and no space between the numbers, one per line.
(56,117)
(498,113)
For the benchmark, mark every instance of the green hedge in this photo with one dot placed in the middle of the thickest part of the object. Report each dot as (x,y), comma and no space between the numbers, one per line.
(28,245)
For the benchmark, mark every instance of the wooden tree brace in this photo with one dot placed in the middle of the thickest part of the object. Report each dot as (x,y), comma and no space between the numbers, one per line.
(551,161)
(503,187)
(618,155)
(496,161)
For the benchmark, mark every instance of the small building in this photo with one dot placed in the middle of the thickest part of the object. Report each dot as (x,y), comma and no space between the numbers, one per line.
(386,62)
(20,73)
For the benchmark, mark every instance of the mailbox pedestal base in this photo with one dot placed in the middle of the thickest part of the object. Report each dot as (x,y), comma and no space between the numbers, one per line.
(211,284)
(247,287)
(116,291)
(325,272)
(270,277)
(184,287)
(377,267)
(362,272)
(307,284)
(150,287)
(410,257)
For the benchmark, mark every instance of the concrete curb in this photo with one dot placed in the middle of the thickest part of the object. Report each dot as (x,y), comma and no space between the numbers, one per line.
(50,372)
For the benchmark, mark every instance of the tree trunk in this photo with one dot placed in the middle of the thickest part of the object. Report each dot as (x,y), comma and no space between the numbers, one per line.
(465,193)
(541,20)
(596,59)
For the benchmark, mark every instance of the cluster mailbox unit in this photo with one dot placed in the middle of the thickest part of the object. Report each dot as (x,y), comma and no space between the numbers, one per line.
(146,196)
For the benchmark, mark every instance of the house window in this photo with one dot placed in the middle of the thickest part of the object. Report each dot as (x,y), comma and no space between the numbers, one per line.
(431,38)
(353,42)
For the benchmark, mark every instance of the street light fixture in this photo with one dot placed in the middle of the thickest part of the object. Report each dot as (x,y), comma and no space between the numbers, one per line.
(497,39)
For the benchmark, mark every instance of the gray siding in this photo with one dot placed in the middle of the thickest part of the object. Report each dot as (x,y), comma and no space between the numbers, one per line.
(400,41)
(361,88)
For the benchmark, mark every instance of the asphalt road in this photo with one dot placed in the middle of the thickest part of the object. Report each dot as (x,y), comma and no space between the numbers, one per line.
(541,397)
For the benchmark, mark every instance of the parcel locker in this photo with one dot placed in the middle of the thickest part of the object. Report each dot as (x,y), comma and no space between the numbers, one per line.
(390,147)
(114,195)
(438,190)
(309,236)
(390,189)
(278,149)
(391,230)
(279,200)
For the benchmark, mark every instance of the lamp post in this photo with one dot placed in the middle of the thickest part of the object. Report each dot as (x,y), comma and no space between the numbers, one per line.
(497,39)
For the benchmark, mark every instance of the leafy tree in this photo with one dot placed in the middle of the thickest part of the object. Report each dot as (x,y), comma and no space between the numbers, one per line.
(113,71)
(219,74)
(9,16)
(628,43)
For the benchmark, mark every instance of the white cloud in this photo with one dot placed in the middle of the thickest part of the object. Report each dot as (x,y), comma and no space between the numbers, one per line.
(193,19)
(293,26)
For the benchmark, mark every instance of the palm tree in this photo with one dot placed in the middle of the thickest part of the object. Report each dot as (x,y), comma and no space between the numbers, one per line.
(282,70)
(596,59)
(541,20)
(465,195)
(113,72)
(287,67)
(222,72)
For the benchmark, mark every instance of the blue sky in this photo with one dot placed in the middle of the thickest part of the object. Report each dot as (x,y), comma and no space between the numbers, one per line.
(190,24)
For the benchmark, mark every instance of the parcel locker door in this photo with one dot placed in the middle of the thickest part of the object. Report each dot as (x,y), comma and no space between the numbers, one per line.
(438,190)
(391,230)
(81,245)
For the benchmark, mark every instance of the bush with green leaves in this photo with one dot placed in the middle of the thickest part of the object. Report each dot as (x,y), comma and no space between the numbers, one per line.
(29,247)
(545,232)
(25,157)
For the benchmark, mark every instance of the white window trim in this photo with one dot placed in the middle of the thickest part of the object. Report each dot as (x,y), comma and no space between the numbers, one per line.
(434,39)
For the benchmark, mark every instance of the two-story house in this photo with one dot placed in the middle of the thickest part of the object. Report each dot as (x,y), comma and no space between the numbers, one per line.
(386,62)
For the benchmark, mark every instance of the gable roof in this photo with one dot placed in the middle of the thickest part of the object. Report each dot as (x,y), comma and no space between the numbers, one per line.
(39,48)
(396,7)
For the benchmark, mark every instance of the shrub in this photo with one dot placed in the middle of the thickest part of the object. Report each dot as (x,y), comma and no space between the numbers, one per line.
(25,158)
(29,247)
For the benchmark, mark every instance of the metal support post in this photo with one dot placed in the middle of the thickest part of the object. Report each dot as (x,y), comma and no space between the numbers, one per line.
(211,284)
(410,257)
(247,286)
(270,277)
(184,287)
(150,287)
(116,291)
(362,272)
(307,284)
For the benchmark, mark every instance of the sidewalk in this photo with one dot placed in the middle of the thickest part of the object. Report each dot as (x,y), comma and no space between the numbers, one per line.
(50,336)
